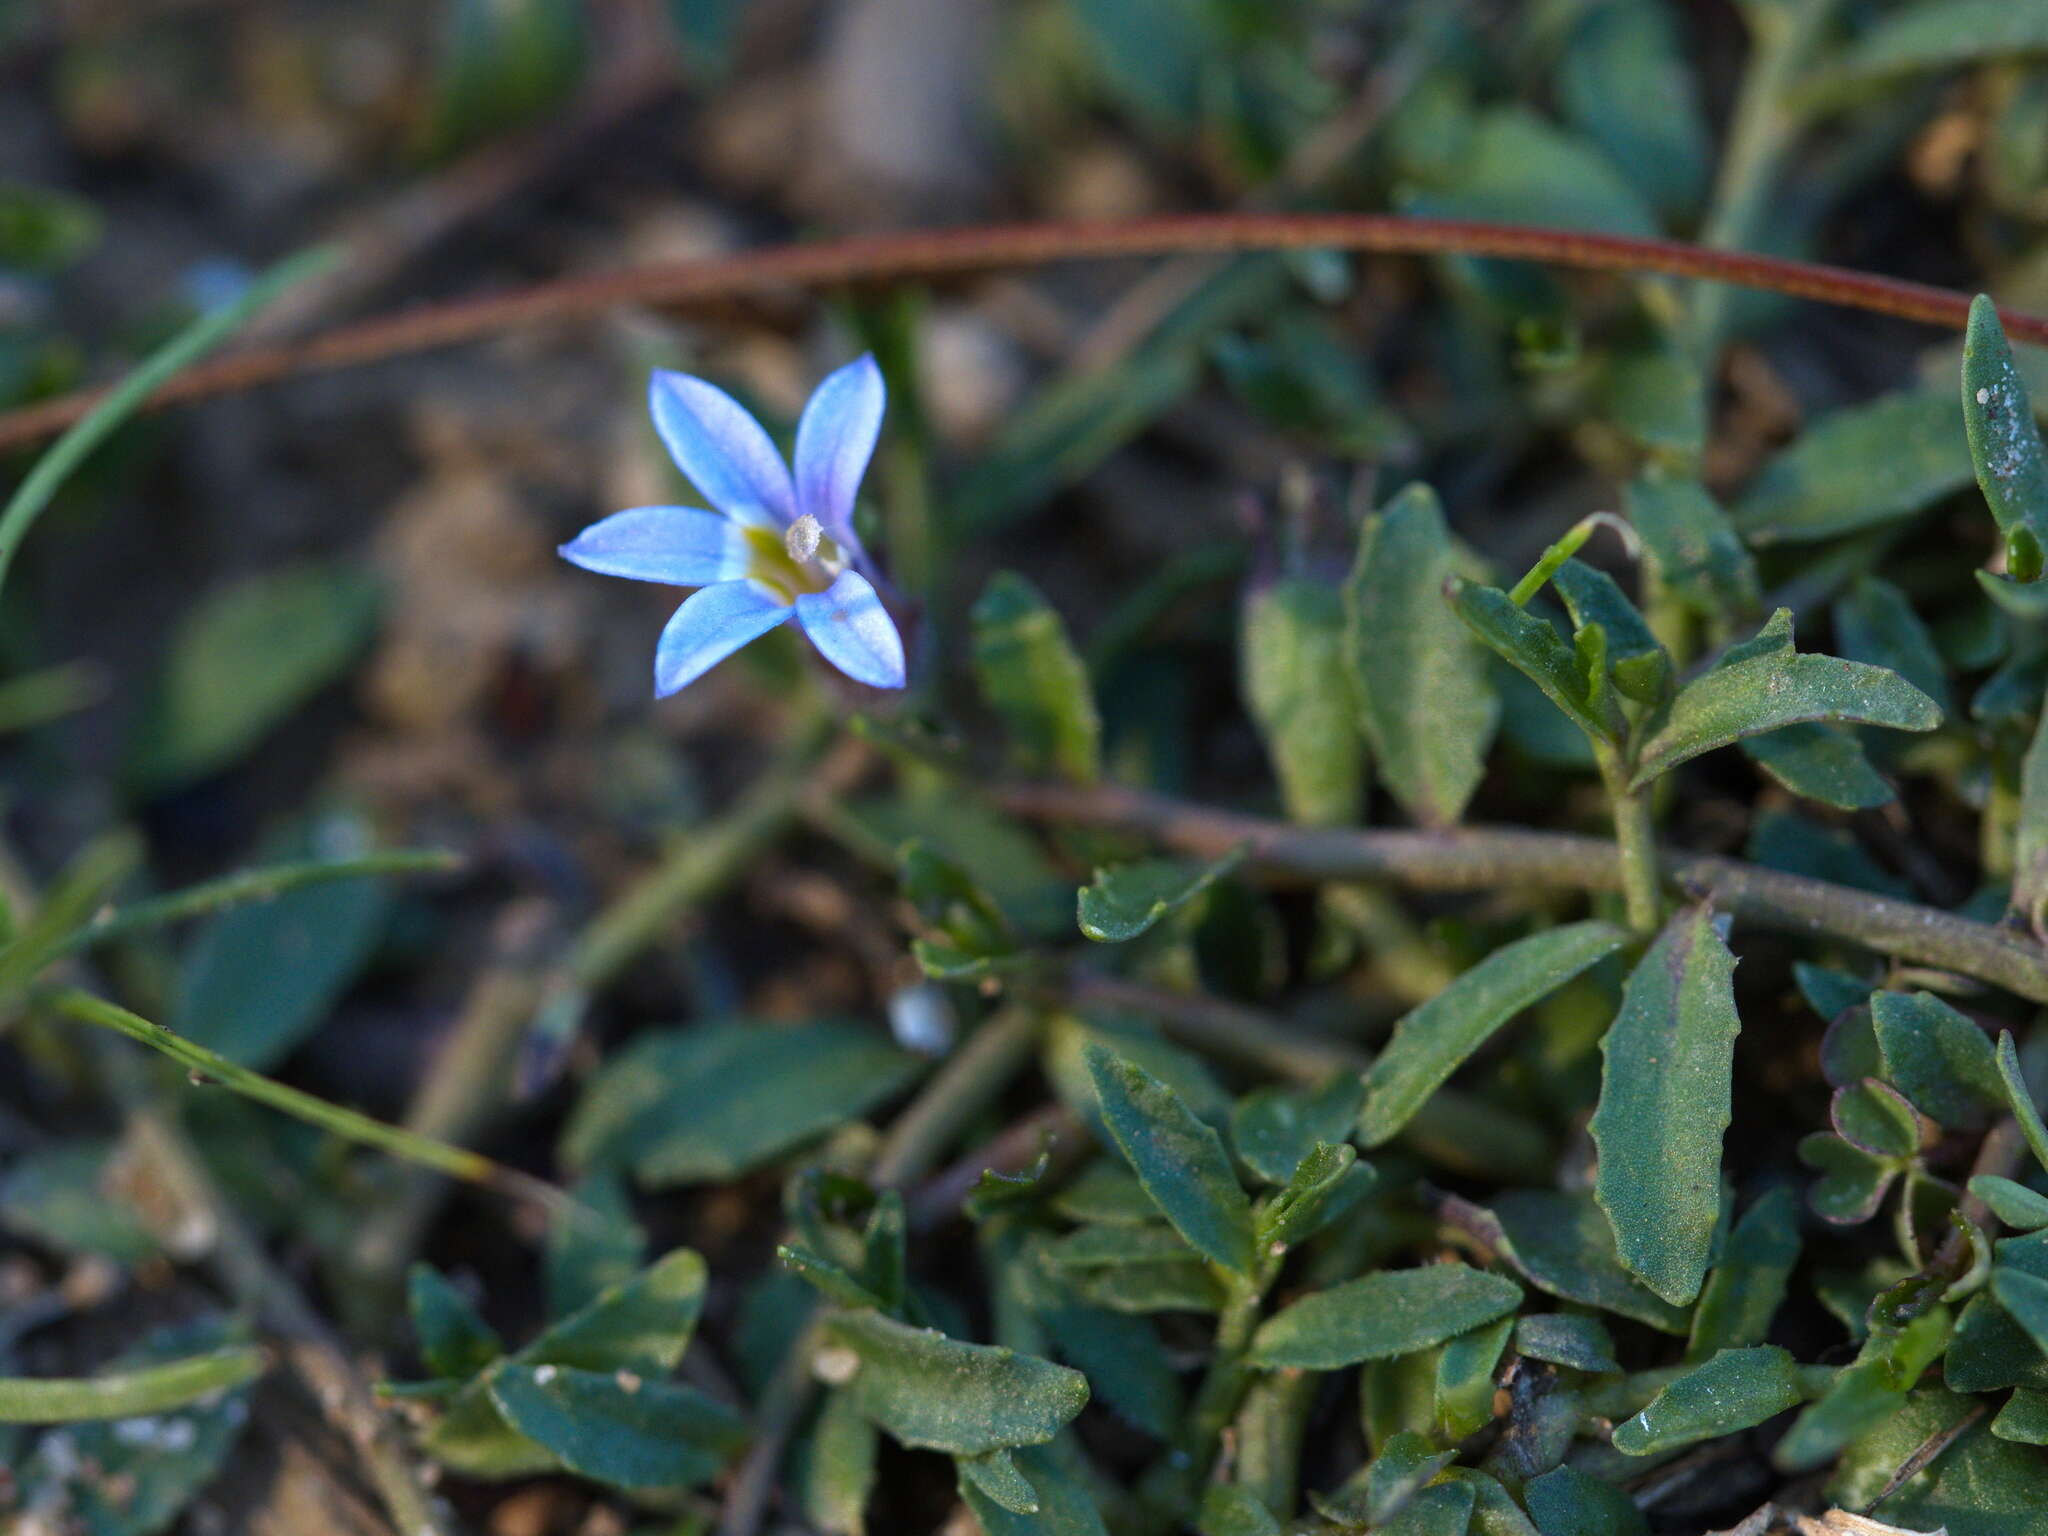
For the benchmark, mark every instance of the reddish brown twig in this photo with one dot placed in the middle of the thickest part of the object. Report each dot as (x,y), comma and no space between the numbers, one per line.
(930,254)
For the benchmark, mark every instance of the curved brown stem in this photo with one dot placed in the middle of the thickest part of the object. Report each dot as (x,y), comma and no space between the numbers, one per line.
(1486,858)
(941,253)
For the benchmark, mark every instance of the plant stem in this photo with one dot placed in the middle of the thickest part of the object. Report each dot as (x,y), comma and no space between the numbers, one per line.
(1493,858)
(928,254)
(1635,837)
(355,1126)
(1168,1491)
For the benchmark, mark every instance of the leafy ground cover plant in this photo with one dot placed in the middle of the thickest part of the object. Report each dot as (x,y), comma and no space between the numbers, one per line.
(1481,1002)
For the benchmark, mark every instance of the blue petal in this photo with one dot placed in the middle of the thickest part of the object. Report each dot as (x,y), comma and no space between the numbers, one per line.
(727,454)
(682,546)
(709,627)
(834,442)
(848,623)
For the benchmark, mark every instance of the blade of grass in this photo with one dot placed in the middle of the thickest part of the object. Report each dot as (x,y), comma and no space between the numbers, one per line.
(458,1162)
(127,1394)
(177,354)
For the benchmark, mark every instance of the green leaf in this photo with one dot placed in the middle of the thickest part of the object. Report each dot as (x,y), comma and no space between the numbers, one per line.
(1421,682)
(2020,1098)
(1465,1370)
(1937,1057)
(2005,445)
(1523,169)
(239,663)
(260,979)
(1328,1182)
(1230,1510)
(1405,1465)
(1128,1370)
(2012,1203)
(1978,1486)
(1444,1509)
(1566,1502)
(1533,648)
(714,1100)
(1990,1351)
(1379,1316)
(1563,1244)
(128,1394)
(592,1246)
(1664,1102)
(1875,1116)
(2025,1299)
(1821,762)
(994,1474)
(1434,1040)
(1693,549)
(1942,34)
(642,1326)
(1034,679)
(616,1430)
(1746,1286)
(1179,1159)
(1273,1129)
(1636,659)
(2023,1419)
(1566,1338)
(935,1393)
(1852,1183)
(1293,645)
(1858,468)
(1066,1503)
(1627,82)
(839,1468)
(454,1341)
(1865,1393)
(1126,901)
(1737,1389)
(1777,687)
(1876,624)
(1653,394)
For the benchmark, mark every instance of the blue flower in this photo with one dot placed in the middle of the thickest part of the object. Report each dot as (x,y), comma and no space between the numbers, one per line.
(775,546)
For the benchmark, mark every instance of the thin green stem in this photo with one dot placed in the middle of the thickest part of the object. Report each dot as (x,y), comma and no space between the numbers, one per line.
(1168,1491)
(1573,541)
(458,1162)
(115,407)
(1635,837)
